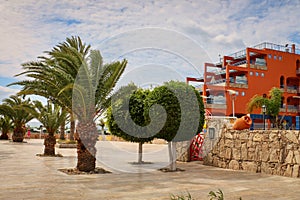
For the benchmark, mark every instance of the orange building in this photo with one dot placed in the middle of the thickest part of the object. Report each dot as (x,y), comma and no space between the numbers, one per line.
(228,86)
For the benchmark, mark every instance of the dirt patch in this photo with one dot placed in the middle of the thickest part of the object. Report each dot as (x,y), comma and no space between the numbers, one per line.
(74,171)
(169,170)
(43,155)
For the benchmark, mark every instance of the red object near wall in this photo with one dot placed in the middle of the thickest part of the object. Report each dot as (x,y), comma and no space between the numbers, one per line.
(196,152)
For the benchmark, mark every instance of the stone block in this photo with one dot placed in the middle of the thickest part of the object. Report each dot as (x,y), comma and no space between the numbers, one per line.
(233,164)
(228,135)
(249,166)
(289,157)
(222,164)
(258,137)
(265,156)
(265,168)
(228,153)
(258,153)
(274,145)
(297,157)
(265,137)
(273,137)
(237,143)
(274,155)
(236,153)
(291,136)
(244,151)
(208,159)
(288,171)
(228,143)
(215,161)
(244,136)
(249,143)
(251,156)
(295,172)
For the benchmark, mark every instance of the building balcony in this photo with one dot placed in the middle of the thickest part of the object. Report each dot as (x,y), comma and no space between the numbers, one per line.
(238,85)
(216,106)
(292,89)
(290,109)
(261,67)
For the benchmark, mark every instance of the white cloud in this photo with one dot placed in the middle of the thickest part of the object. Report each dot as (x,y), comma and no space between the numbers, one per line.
(5,92)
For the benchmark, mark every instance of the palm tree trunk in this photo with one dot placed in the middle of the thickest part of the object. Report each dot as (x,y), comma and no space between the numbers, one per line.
(4,136)
(62,131)
(18,134)
(72,128)
(49,143)
(86,136)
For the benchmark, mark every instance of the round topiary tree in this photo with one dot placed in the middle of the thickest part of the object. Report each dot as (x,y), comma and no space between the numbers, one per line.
(185,113)
(136,99)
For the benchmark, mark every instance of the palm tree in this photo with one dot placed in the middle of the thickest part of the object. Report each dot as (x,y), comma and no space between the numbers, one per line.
(6,126)
(18,110)
(51,116)
(50,74)
(272,103)
(92,92)
(56,78)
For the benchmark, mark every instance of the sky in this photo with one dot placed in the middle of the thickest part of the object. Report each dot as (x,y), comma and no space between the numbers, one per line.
(162,40)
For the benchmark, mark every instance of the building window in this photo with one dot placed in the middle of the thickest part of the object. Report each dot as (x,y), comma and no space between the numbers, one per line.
(262,75)
(270,56)
(243,93)
(251,73)
(279,57)
(275,57)
(256,73)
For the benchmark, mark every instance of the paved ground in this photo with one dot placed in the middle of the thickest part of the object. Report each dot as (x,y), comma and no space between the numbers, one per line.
(23,175)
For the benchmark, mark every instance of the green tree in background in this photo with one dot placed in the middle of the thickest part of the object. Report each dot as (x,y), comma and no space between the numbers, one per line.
(272,103)
(136,98)
(5,126)
(51,116)
(19,111)
(185,113)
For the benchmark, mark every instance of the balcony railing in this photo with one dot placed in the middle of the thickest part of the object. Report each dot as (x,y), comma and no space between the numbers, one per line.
(216,106)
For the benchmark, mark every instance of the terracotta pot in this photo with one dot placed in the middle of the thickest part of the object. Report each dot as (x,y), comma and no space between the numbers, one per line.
(242,123)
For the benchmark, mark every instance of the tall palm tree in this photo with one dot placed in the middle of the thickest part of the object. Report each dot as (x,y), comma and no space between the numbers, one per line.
(5,126)
(56,78)
(51,116)
(92,92)
(18,110)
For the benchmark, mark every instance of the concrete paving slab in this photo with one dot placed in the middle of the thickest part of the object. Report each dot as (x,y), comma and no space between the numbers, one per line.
(23,175)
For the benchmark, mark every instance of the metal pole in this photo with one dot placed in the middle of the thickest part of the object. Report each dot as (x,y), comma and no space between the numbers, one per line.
(233,115)
(264,120)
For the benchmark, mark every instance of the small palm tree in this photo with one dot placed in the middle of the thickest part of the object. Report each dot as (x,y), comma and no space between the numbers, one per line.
(18,110)
(272,103)
(51,116)
(6,126)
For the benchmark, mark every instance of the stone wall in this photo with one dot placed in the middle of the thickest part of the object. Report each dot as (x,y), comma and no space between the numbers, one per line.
(271,151)
(183,151)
